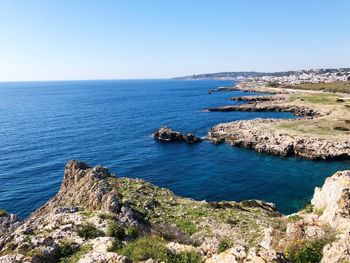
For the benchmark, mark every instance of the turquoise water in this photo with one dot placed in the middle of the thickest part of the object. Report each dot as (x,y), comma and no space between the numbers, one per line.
(45,124)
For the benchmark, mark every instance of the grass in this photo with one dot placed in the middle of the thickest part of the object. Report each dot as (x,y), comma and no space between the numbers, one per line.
(187,226)
(88,231)
(153,247)
(319,127)
(224,245)
(342,87)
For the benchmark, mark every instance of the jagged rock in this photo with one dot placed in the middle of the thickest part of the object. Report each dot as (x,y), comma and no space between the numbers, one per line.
(8,222)
(256,232)
(166,134)
(333,200)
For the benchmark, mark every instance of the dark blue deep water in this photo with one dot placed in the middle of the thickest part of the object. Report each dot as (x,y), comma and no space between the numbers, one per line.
(45,124)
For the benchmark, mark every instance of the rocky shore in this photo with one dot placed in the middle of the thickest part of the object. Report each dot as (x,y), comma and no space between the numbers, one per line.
(257,134)
(99,217)
(321,133)
(264,107)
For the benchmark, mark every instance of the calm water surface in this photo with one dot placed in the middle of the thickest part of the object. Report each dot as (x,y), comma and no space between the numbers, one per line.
(45,124)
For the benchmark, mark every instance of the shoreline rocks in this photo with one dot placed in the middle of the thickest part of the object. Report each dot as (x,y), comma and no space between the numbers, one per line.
(166,134)
(75,225)
(256,134)
(265,107)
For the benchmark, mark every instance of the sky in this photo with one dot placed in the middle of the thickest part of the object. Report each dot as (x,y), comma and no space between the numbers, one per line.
(88,39)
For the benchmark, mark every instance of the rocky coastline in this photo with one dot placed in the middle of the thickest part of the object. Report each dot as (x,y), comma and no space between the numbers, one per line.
(99,217)
(267,136)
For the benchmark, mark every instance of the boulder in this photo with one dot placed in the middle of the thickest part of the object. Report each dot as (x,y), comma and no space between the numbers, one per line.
(166,134)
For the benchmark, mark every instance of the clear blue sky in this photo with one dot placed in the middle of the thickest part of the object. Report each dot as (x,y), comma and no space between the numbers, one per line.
(82,39)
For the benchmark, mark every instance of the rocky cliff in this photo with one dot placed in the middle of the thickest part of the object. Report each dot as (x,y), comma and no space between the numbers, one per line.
(99,217)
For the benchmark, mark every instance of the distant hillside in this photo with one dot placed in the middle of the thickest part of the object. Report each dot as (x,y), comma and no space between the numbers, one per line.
(253,74)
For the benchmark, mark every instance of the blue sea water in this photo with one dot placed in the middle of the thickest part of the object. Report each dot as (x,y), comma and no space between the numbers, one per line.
(45,124)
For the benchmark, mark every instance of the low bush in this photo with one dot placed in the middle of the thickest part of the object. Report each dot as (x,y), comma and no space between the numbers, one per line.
(115,230)
(187,226)
(224,245)
(88,231)
(2,213)
(294,218)
(309,208)
(153,247)
(172,233)
(311,252)
(145,248)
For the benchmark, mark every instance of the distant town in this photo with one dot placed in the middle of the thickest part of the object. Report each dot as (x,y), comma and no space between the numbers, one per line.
(286,77)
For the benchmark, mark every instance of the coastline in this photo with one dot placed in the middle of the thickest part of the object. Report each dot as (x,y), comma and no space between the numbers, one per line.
(321,132)
(99,217)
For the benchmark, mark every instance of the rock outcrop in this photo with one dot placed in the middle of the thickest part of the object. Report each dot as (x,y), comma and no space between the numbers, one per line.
(166,134)
(259,98)
(8,222)
(265,107)
(258,135)
(98,217)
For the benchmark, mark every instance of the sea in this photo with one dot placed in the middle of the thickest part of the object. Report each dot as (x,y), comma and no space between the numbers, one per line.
(43,125)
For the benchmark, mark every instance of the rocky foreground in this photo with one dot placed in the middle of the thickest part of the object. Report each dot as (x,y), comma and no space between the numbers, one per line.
(98,217)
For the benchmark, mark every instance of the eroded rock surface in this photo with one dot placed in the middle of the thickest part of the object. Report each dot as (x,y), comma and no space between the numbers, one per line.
(166,134)
(76,225)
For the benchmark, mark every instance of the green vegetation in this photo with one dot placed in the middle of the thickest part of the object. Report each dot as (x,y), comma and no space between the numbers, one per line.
(74,258)
(66,249)
(88,230)
(2,213)
(306,252)
(187,226)
(115,230)
(107,216)
(343,87)
(293,218)
(131,232)
(224,245)
(144,248)
(154,247)
(309,208)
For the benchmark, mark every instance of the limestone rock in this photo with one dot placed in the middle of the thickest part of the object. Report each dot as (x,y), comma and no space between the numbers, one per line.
(166,134)
(333,200)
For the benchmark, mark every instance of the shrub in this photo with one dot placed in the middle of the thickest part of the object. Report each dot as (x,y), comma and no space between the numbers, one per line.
(74,258)
(2,213)
(172,233)
(187,226)
(311,252)
(145,248)
(185,257)
(115,246)
(108,216)
(88,231)
(309,208)
(131,232)
(224,245)
(65,249)
(294,218)
(115,230)
(339,128)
